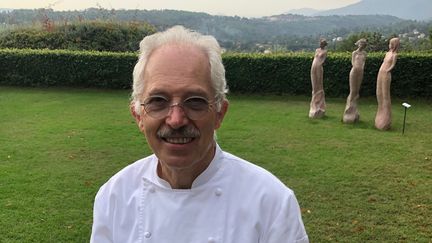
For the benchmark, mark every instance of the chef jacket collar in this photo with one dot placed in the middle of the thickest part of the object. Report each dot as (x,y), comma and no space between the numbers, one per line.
(202,179)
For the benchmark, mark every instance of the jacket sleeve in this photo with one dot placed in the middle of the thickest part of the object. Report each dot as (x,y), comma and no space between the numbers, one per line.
(287,226)
(102,223)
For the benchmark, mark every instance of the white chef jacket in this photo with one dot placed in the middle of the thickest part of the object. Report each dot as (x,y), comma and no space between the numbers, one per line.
(232,201)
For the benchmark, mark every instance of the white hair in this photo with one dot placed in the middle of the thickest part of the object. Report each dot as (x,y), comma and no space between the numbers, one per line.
(180,35)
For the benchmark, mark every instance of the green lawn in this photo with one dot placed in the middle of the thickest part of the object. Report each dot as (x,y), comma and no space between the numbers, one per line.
(354,183)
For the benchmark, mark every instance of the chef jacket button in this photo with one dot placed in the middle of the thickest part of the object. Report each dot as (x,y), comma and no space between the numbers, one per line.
(211,240)
(147,234)
(152,189)
(218,192)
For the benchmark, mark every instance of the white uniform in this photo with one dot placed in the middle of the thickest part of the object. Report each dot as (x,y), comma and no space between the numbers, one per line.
(232,201)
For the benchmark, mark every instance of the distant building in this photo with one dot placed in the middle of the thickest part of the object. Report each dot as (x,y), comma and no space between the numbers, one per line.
(421,36)
(337,39)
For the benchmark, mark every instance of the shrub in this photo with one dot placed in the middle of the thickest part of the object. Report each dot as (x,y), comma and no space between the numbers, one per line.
(98,36)
(287,73)
(66,68)
(290,73)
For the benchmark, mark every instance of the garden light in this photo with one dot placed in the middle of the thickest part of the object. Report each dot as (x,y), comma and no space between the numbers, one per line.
(406,105)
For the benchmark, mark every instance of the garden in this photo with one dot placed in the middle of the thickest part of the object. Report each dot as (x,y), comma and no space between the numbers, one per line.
(354,183)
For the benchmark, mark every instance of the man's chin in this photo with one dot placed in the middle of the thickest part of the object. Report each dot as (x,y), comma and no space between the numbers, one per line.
(176,162)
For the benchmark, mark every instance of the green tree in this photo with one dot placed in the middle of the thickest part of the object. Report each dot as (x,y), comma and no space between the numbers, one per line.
(376,42)
(95,35)
(430,34)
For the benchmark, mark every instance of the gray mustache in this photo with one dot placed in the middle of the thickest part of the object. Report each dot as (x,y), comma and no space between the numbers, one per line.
(186,131)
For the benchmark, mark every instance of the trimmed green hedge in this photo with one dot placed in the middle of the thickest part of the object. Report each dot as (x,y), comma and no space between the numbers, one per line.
(287,73)
(290,73)
(66,68)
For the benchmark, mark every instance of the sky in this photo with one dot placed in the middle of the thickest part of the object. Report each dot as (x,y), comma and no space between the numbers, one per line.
(242,8)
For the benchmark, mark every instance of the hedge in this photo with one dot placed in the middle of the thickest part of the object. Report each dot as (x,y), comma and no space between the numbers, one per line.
(287,73)
(66,68)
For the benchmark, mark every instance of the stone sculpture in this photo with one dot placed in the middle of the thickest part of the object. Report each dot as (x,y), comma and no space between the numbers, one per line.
(317,105)
(351,113)
(383,116)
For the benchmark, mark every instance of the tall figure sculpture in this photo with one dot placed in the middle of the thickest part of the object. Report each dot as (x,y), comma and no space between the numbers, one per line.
(383,116)
(351,113)
(317,105)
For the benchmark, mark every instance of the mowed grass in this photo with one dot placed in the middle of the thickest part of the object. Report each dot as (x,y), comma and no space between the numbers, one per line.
(353,182)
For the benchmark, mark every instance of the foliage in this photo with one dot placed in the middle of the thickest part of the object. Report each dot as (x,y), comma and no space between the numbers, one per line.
(259,73)
(353,183)
(98,36)
(290,73)
(66,68)
(430,34)
(379,42)
(416,45)
(293,32)
(376,42)
(282,73)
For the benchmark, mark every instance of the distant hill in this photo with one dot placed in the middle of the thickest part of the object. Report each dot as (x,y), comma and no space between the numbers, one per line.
(225,28)
(233,32)
(405,9)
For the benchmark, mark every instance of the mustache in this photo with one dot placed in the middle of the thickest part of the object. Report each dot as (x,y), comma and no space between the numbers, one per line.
(186,131)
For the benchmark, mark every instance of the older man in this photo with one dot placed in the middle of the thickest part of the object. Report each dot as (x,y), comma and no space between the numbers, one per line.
(189,190)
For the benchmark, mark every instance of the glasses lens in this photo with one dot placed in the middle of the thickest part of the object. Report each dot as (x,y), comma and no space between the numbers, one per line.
(157,106)
(195,107)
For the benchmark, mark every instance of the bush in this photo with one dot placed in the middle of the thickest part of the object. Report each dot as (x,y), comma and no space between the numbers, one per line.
(287,73)
(98,36)
(290,73)
(260,73)
(66,68)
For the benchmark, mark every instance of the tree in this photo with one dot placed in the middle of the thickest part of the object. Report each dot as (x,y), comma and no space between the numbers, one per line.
(430,34)
(376,42)
(94,35)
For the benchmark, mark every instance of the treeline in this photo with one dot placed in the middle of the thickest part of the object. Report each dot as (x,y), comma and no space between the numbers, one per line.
(94,35)
(287,31)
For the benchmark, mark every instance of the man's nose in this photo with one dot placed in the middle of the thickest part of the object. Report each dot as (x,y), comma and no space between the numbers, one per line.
(176,117)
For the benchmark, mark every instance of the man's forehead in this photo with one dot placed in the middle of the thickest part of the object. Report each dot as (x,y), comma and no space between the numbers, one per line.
(178,67)
(182,56)
(179,48)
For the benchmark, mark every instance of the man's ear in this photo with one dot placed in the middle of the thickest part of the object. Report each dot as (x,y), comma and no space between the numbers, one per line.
(133,110)
(221,114)
(136,114)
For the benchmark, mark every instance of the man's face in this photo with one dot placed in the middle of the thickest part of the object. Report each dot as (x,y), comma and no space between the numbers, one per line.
(178,72)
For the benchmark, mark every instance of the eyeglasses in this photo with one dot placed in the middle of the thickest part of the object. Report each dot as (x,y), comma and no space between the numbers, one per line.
(194,107)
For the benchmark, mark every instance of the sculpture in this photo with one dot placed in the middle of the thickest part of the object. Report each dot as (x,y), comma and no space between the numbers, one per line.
(317,105)
(383,115)
(351,113)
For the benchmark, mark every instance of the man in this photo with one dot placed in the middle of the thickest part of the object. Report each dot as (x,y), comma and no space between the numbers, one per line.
(189,190)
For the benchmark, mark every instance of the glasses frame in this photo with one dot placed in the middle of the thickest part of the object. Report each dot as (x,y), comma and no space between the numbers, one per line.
(179,104)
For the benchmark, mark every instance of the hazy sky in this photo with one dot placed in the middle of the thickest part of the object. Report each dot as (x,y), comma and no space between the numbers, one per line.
(244,8)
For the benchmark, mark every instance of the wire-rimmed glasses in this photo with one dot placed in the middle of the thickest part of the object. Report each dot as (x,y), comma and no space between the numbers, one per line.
(194,107)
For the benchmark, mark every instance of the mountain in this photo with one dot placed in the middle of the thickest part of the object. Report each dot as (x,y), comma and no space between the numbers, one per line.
(404,9)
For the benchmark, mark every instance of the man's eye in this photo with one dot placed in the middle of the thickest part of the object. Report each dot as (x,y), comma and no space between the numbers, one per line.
(157,103)
(196,103)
